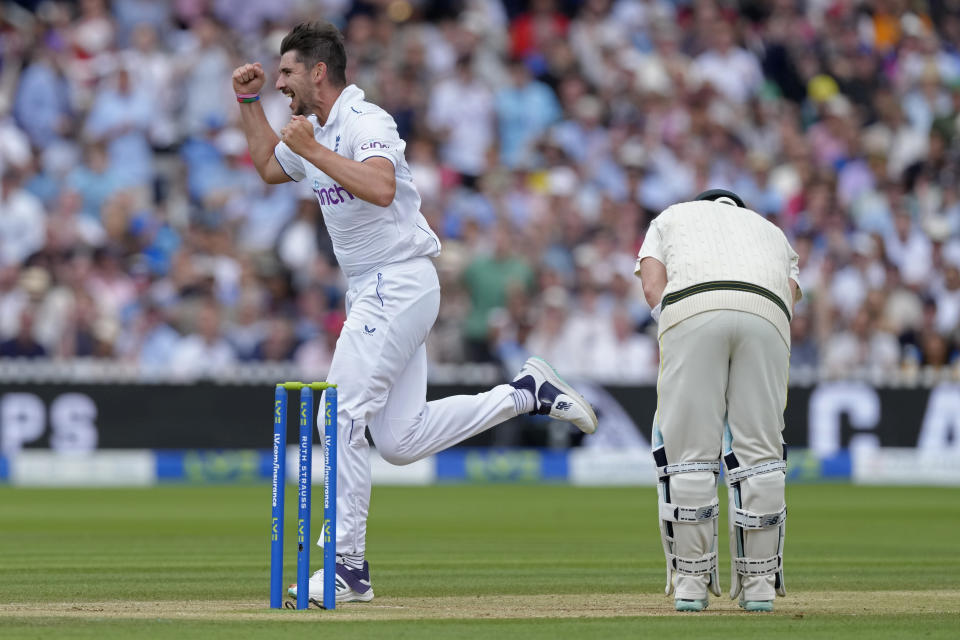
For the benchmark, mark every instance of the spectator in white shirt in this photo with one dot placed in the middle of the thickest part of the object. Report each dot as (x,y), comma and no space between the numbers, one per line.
(948,301)
(550,334)
(22,224)
(733,72)
(461,113)
(620,354)
(862,345)
(910,249)
(206,351)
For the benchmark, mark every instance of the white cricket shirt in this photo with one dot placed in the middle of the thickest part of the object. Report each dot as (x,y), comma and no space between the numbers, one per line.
(705,243)
(364,235)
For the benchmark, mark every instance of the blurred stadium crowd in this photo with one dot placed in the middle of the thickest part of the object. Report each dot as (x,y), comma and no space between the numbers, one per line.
(543,137)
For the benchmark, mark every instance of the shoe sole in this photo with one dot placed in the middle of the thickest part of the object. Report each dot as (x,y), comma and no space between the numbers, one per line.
(545,369)
(353,596)
(765,606)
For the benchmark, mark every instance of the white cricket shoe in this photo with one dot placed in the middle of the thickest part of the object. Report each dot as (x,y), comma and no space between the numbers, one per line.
(554,397)
(351,585)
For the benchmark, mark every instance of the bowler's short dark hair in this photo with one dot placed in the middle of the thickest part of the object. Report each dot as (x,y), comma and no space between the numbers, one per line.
(316,42)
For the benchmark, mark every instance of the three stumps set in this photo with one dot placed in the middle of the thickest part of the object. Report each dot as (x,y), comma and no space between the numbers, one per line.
(304,475)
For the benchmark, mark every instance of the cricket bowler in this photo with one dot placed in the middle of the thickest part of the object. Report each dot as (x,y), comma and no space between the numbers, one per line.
(348,151)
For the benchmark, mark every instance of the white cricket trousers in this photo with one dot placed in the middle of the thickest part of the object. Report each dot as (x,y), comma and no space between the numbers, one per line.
(723,367)
(380,369)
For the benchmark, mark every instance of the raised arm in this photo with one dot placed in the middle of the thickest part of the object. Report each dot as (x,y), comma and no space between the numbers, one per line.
(248,80)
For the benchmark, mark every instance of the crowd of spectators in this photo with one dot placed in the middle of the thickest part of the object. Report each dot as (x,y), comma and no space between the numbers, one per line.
(543,137)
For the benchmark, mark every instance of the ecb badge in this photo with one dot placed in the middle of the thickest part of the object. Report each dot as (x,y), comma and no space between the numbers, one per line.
(316,183)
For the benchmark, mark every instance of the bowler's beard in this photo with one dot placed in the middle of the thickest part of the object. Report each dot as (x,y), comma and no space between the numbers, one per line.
(303,109)
(299,106)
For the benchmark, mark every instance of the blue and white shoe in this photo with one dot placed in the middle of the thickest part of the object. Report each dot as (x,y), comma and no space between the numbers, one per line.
(757,605)
(351,585)
(684,604)
(554,397)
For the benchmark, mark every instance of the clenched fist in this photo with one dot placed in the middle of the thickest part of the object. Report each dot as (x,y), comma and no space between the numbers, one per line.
(298,134)
(248,78)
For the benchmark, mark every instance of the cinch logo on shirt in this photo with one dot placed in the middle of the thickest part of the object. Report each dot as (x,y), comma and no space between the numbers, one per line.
(331,195)
(366,146)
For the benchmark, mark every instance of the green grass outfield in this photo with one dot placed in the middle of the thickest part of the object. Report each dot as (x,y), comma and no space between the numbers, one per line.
(498,561)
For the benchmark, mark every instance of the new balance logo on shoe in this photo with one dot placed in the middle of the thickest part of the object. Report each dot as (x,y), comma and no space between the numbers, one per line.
(552,396)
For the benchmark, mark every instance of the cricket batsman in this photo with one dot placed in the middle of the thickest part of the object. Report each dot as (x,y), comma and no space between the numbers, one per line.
(348,151)
(722,281)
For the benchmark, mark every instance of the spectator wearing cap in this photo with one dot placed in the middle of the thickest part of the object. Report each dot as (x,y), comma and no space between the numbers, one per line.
(21,290)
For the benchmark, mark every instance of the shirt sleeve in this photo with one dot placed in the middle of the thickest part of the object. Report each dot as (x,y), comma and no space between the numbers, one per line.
(375,134)
(291,163)
(651,246)
(795,269)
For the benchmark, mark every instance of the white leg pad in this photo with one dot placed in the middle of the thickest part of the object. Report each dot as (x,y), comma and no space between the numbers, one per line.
(757,526)
(688,510)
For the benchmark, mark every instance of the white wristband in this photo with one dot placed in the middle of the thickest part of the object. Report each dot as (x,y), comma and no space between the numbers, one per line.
(655,313)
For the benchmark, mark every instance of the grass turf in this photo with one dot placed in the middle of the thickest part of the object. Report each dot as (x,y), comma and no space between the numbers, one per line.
(64,547)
